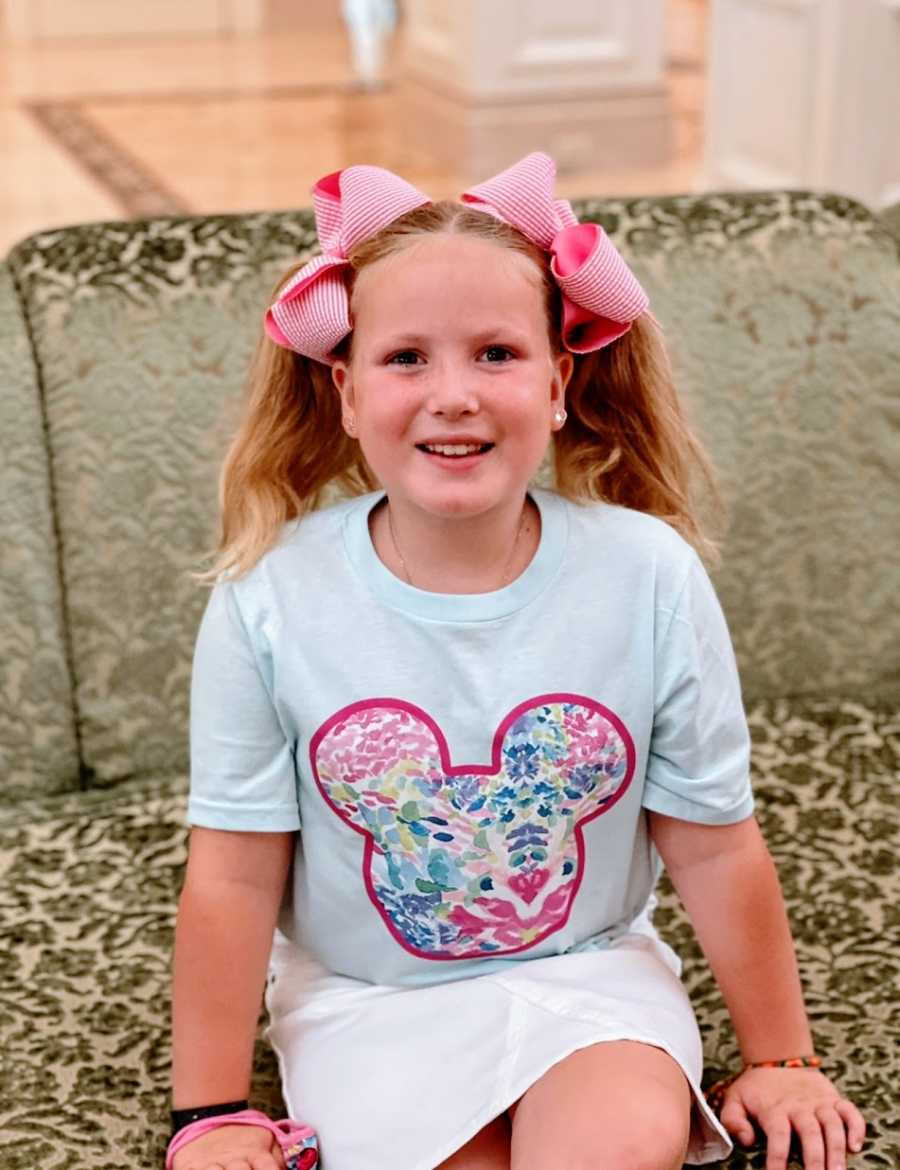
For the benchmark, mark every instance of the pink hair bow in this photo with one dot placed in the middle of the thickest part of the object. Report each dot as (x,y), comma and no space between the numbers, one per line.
(601,297)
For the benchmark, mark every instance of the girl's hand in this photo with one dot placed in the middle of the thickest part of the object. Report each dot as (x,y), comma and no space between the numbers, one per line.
(239,1147)
(802,1098)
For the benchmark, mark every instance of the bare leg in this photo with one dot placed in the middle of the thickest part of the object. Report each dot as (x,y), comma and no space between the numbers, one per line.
(618,1105)
(487,1150)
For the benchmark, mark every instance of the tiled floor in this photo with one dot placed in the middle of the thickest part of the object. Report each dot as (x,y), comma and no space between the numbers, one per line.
(99,130)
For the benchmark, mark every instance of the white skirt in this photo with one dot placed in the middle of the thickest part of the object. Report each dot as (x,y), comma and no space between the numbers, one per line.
(402,1077)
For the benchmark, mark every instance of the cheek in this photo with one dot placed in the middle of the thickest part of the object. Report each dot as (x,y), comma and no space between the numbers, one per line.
(530,409)
(384,412)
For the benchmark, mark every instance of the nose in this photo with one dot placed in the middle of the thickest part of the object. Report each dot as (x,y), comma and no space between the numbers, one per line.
(451,390)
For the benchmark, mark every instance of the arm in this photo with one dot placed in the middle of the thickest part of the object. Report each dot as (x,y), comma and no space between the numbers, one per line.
(226,918)
(728,884)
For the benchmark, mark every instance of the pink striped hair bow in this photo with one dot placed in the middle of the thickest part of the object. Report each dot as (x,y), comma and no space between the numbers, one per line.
(600,296)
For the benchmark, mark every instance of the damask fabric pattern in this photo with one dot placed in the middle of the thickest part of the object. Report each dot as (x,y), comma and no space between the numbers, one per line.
(782,313)
(890,217)
(38,749)
(89,895)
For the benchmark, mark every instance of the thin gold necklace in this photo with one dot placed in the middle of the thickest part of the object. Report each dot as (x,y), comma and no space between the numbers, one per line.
(506,569)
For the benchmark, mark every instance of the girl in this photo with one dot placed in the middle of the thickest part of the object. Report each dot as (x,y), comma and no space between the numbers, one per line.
(446,732)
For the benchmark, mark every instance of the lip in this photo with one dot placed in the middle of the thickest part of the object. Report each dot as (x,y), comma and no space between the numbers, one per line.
(457,463)
(451,440)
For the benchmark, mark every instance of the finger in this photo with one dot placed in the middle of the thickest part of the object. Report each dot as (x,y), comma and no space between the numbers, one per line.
(267,1161)
(778,1140)
(240,1163)
(276,1155)
(734,1118)
(809,1131)
(855,1122)
(835,1137)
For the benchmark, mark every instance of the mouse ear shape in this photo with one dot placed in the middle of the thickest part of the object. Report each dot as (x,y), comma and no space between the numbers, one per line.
(374,760)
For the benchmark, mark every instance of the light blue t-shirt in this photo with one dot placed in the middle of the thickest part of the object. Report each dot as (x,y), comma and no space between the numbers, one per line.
(468,772)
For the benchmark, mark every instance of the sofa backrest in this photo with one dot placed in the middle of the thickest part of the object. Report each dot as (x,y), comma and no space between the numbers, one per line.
(890,217)
(782,314)
(38,746)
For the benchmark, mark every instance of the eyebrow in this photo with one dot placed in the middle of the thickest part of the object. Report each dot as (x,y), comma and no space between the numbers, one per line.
(508,331)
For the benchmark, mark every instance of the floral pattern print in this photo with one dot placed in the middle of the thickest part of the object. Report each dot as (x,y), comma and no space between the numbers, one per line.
(473,860)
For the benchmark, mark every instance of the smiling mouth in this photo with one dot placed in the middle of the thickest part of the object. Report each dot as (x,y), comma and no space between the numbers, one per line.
(454,450)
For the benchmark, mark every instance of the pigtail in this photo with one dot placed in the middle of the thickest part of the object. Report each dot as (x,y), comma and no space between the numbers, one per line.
(628,441)
(288,447)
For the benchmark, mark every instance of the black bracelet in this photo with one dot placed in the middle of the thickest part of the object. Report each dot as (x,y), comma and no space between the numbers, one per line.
(183,1117)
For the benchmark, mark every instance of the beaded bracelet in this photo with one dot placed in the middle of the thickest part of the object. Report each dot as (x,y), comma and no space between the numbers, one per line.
(716,1095)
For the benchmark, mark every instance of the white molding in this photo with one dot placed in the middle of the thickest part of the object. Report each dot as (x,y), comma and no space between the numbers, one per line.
(494,79)
(480,139)
(511,50)
(583,51)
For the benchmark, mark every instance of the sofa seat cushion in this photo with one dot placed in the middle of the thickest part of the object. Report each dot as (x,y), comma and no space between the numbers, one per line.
(90,886)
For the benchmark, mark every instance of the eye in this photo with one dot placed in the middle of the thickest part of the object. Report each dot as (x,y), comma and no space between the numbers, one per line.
(499,349)
(495,354)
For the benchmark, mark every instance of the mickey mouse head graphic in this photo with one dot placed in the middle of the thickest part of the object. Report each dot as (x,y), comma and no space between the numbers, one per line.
(474,859)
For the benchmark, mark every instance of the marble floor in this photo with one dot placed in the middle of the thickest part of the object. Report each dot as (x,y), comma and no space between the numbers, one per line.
(94,130)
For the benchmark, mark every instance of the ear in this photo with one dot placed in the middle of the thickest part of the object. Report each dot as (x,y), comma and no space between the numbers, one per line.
(343,381)
(563,366)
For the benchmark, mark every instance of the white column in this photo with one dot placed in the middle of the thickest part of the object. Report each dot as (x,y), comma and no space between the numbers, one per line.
(482,83)
(805,93)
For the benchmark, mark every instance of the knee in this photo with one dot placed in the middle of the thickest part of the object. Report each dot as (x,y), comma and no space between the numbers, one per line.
(661,1145)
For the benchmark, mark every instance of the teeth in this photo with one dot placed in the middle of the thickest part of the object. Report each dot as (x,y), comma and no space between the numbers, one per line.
(455,449)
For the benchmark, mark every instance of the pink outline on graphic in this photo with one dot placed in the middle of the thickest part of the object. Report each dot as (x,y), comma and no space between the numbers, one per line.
(492,769)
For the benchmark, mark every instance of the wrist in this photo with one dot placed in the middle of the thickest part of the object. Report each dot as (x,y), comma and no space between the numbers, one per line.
(777,1051)
(185,1117)
(783,1045)
(809,1060)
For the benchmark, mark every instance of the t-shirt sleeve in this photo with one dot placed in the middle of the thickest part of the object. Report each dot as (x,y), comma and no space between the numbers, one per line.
(699,760)
(242,763)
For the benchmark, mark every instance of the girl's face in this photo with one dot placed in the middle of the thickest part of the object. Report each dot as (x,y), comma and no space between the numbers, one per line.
(450,346)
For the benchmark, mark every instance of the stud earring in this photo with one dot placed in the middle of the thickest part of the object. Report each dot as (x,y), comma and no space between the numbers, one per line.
(560,417)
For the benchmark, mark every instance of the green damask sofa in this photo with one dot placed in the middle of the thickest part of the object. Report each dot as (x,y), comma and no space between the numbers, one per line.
(122,351)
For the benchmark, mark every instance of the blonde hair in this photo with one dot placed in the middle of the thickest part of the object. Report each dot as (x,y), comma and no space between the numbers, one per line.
(626,441)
